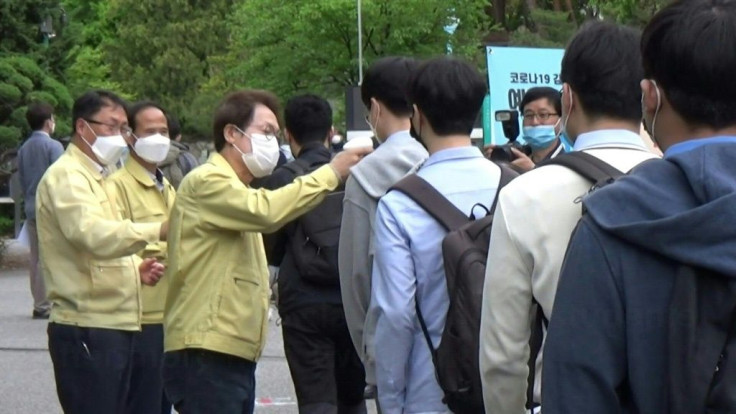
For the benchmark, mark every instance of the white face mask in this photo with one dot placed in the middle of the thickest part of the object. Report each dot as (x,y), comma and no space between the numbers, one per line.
(153,148)
(264,153)
(107,149)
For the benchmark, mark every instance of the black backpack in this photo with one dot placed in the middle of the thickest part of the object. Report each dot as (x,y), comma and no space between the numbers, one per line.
(592,168)
(465,252)
(315,236)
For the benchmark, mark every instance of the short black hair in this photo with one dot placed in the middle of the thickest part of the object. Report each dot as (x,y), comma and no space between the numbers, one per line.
(689,49)
(542,92)
(137,107)
(38,113)
(174,126)
(238,109)
(387,80)
(90,103)
(602,64)
(450,94)
(308,118)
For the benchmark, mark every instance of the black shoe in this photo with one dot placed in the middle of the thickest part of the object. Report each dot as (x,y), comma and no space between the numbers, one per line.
(41,314)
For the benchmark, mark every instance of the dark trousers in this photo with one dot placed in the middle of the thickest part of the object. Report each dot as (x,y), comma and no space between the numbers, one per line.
(204,382)
(327,372)
(146,394)
(91,368)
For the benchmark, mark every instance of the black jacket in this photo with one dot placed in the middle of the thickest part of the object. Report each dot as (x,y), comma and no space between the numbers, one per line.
(646,296)
(294,292)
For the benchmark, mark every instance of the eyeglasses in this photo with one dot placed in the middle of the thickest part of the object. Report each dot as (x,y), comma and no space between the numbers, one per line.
(123,130)
(542,117)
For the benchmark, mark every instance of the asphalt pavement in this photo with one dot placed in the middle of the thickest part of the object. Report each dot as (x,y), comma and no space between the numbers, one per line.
(26,374)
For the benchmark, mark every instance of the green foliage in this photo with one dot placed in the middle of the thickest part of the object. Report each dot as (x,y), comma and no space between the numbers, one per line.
(303,47)
(9,94)
(21,83)
(9,136)
(553,29)
(163,53)
(17,118)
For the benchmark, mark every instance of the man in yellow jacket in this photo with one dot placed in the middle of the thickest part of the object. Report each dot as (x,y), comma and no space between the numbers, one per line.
(144,195)
(217,307)
(87,253)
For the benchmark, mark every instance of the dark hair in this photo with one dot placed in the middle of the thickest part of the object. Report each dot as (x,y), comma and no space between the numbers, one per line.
(450,93)
(387,81)
(174,126)
(308,118)
(89,104)
(689,48)
(238,109)
(38,113)
(542,92)
(137,108)
(602,64)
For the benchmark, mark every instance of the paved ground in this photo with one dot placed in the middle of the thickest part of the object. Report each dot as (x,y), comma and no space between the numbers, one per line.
(26,375)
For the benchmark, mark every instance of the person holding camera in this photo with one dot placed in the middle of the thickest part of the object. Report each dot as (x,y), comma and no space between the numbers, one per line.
(540,109)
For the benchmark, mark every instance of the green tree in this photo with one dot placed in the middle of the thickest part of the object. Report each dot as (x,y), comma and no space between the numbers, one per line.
(23,81)
(162,50)
(82,60)
(313,46)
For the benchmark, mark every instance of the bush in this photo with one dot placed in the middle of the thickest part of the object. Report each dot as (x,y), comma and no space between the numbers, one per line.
(63,97)
(10,94)
(27,67)
(9,137)
(20,81)
(43,96)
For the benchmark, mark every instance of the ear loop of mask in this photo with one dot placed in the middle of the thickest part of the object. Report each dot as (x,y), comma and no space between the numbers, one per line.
(567,118)
(656,111)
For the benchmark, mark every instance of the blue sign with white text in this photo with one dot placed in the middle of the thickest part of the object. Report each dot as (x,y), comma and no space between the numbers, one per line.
(514,70)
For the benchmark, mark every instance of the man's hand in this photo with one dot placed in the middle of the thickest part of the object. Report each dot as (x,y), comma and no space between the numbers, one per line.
(488,150)
(522,163)
(164,232)
(151,271)
(346,159)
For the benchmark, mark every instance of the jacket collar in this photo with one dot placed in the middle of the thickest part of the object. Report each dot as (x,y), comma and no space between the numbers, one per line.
(85,161)
(139,173)
(219,161)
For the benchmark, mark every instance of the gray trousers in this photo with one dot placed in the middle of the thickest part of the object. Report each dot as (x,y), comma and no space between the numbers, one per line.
(38,288)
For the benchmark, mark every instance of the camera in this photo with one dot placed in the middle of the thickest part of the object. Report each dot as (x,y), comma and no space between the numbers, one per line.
(509,120)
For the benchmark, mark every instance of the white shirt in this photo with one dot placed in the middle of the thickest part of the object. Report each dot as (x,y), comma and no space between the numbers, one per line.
(534,220)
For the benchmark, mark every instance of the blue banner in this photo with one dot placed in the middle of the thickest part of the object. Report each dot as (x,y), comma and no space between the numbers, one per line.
(513,70)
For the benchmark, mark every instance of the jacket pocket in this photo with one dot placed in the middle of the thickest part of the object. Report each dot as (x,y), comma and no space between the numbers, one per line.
(241,311)
(113,287)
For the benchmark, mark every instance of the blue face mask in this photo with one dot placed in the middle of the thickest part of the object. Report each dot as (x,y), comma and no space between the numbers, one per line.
(540,137)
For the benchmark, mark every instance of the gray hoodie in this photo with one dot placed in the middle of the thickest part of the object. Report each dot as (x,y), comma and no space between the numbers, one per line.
(368,182)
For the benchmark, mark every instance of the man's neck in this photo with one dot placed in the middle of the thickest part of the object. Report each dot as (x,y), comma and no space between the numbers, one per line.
(394,124)
(437,144)
(603,124)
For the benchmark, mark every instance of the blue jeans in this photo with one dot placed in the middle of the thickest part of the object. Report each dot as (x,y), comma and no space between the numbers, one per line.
(198,381)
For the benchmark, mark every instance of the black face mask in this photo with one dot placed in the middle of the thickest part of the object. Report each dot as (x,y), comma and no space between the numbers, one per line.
(414,134)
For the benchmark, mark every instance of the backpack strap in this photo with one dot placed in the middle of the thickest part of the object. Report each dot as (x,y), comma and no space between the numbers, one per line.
(589,166)
(432,201)
(507,174)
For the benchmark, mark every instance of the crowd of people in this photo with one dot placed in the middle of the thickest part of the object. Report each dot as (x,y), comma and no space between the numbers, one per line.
(599,295)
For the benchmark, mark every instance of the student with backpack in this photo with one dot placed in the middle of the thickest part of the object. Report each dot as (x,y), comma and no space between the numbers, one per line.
(327,372)
(645,308)
(538,211)
(408,273)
